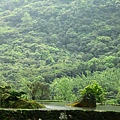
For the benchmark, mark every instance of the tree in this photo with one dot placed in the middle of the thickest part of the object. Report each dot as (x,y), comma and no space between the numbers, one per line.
(108,61)
(95,89)
(118,96)
(38,90)
(104,39)
(26,17)
(61,89)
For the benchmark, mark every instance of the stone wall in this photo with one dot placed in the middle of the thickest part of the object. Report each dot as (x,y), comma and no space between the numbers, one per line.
(28,114)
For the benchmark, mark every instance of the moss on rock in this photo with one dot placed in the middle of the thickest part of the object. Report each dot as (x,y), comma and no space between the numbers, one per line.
(13,99)
(21,103)
(26,104)
(88,100)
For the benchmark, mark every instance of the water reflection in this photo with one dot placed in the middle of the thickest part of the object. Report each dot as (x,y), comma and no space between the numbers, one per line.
(62,106)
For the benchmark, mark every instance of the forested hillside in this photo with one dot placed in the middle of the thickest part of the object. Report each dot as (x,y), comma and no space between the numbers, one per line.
(48,40)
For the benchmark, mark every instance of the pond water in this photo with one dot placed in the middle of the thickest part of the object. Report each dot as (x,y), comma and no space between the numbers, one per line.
(63,106)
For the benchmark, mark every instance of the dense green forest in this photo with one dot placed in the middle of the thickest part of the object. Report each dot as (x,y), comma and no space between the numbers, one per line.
(52,49)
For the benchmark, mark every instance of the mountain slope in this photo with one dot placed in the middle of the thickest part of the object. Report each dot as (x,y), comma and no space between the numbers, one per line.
(54,38)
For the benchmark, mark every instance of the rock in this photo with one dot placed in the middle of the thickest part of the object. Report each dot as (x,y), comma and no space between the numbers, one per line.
(88,100)
(26,104)
(11,101)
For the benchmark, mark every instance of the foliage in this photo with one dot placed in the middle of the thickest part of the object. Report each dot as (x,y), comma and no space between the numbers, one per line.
(26,104)
(95,89)
(38,90)
(50,39)
(12,99)
(104,81)
(118,96)
(61,89)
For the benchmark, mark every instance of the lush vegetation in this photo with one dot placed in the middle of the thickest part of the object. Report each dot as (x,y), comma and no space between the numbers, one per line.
(59,46)
(106,83)
(14,99)
(95,89)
